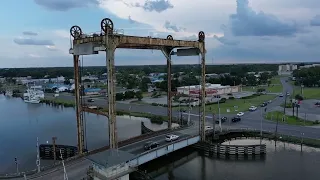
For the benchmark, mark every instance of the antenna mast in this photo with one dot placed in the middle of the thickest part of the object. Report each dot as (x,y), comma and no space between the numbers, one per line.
(38,156)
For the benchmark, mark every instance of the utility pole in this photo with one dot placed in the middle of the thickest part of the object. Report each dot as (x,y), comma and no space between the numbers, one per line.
(38,156)
(65,176)
(276,136)
(17,164)
(285,105)
(297,111)
(54,148)
(219,115)
(214,125)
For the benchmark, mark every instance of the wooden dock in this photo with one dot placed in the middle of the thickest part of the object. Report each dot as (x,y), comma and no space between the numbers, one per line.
(231,150)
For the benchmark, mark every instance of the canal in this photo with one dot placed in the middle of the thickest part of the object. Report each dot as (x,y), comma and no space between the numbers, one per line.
(282,162)
(22,123)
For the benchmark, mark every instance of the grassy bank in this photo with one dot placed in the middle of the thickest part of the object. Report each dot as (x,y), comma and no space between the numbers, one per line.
(291,120)
(239,104)
(58,102)
(153,118)
(308,93)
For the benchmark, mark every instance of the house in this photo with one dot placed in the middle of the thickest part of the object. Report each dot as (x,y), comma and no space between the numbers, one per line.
(92,91)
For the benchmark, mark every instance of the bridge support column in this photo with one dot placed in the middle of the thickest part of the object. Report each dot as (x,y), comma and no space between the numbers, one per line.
(203,90)
(80,134)
(113,142)
(167,54)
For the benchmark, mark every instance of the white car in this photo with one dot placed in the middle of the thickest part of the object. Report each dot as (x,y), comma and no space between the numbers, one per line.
(171,137)
(240,114)
(252,108)
(207,128)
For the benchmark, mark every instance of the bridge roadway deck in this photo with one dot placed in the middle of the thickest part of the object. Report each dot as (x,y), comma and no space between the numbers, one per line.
(77,169)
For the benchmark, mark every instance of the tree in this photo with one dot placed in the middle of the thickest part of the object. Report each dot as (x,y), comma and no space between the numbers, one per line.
(144,84)
(139,95)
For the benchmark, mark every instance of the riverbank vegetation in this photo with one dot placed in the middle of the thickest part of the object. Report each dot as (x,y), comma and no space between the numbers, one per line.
(291,120)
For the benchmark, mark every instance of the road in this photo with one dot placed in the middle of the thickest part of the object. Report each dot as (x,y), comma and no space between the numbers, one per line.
(249,120)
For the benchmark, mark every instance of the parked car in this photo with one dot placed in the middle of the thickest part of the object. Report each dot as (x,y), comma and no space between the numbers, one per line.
(150,145)
(264,104)
(236,119)
(171,137)
(281,95)
(240,114)
(252,108)
(223,119)
(317,104)
(90,100)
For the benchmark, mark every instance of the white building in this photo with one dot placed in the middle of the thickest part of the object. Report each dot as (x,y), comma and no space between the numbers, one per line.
(309,66)
(211,90)
(287,69)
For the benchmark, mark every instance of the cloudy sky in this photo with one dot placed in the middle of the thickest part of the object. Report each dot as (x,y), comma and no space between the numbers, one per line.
(36,32)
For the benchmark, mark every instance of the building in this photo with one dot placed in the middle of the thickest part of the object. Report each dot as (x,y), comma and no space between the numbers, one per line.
(286,69)
(211,90)
(92,91)
(309,66)
(111,164)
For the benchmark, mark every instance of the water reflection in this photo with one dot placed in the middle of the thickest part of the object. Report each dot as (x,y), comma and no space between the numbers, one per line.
(283,162)
(22,123)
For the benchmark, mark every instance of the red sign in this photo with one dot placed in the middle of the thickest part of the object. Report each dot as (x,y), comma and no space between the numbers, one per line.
(197,92)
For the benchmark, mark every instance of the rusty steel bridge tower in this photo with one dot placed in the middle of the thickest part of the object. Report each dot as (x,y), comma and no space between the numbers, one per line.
(108,40)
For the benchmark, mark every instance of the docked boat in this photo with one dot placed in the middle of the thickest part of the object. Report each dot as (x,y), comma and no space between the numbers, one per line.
(32,100)
(34,91)
(9,93)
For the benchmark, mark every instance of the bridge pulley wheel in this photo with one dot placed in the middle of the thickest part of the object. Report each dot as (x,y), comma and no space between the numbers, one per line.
(201,36)
(107,25)
(75,32)
(169,37)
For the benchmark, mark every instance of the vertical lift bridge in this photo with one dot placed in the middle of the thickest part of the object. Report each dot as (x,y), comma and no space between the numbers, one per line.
(108,40)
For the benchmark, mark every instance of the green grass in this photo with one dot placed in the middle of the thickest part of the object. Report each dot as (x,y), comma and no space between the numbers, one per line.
(243,104)
(276,80)
(271,88)
(308,93)
(275,86)
(291,120)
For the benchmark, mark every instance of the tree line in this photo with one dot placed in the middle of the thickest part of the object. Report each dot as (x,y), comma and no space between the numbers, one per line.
(309,77)
(68,72)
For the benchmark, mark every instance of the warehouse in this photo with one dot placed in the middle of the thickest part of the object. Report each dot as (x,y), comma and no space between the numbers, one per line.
(211,90)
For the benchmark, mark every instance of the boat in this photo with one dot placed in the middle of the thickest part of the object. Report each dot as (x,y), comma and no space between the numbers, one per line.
(31,96)
(32,100)
(34,91)
(9,93)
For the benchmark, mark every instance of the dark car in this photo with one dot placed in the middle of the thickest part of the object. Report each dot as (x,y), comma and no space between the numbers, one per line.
(223,119)
(150,145)
(317,104)
(236,119)
(90,100)
(264,104)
